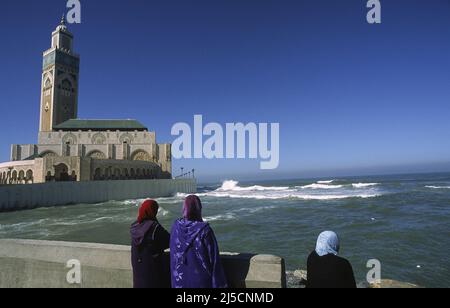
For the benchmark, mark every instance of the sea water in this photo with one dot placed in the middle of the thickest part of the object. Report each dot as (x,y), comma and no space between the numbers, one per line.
(403,221)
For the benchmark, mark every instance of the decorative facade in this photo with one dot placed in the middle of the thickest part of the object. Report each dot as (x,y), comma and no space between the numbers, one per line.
(72,149)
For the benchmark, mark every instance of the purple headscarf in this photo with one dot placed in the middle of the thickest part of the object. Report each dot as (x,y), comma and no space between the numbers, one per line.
(192,209)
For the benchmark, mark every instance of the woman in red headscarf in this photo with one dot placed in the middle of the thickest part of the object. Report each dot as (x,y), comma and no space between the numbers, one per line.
(148,242)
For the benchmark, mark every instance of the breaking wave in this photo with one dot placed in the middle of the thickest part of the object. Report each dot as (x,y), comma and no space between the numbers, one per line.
(363,185)
(231,189)
(289,196)
(320,186)
(233,186)
(438,187)
(325,182)
(327,185)
(134,202)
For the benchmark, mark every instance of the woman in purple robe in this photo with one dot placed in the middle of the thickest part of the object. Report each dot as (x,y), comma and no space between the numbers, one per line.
(148,242)
(194,253)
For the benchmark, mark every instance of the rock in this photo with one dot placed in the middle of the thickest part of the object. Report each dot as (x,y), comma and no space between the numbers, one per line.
(302,277)
(391,284)
(296,279)
(301,274)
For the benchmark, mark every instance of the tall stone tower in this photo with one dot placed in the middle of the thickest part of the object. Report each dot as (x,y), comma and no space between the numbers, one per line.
(59,92)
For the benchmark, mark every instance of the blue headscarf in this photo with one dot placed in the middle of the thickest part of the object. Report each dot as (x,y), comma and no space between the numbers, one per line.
(327,243)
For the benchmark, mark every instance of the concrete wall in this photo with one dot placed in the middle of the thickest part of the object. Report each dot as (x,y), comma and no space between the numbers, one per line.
(21,197)
(42,264)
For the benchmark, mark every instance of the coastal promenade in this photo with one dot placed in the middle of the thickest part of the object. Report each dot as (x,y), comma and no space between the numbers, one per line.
(43,264)
(23,197)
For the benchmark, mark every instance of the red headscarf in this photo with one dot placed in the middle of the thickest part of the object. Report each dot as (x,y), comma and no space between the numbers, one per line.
(148,211)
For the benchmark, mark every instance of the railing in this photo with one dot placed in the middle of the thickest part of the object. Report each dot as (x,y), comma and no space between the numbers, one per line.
(186,175)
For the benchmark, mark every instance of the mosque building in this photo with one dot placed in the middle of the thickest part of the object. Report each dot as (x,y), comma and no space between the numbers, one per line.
(73,149)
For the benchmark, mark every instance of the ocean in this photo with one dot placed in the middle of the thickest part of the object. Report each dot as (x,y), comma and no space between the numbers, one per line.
(403,221)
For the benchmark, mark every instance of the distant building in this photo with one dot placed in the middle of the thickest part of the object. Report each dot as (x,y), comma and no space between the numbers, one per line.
(72,149)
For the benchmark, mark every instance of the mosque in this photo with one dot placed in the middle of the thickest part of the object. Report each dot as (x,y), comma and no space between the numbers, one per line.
(73,149)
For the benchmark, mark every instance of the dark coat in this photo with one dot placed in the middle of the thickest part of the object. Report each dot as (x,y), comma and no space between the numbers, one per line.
(148,242)
(329,272)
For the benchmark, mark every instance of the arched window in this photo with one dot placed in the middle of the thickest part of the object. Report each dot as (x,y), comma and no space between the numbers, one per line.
(62,173)
(69,139)
(96,155)
(29,177)
(117,174)
(48,177)
(21,179)
(108,174)
(98,139)
(14,177)
(97,174)
(141,155)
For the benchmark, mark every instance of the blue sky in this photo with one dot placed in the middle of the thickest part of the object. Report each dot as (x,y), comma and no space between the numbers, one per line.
(351,98)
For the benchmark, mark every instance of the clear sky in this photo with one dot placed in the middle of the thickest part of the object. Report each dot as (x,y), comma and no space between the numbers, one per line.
(351,98)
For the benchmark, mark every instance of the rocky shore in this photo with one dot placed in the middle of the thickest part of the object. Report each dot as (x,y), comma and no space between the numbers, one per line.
(298,278)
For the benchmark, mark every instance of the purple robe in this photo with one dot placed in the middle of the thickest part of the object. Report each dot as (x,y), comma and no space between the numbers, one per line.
(194,256)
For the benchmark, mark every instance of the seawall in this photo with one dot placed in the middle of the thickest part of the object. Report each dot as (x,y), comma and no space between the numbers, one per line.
(22,197)
(43,264)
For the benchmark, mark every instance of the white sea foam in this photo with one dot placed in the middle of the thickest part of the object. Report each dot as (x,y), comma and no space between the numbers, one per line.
(22,225)
(231,189)
(67,224)
(229,185)
(173,200)
(438,187)
(255,209)
(134,202)
(102,218)
(224,217)
(181,195)
(234,186)
(363,185)
(162,211)
(287,196)
(320,186)
(325,182)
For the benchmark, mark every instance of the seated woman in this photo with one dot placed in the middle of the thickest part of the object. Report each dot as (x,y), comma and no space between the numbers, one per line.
(149,240)
(325,268)
(194,253)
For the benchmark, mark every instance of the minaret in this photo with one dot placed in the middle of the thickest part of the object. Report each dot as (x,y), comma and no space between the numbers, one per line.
(59,92)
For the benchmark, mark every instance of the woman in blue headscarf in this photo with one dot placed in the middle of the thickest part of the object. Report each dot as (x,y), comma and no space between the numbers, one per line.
(194,253)
(325,268)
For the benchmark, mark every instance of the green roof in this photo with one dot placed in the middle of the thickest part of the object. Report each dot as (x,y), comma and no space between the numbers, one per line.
(102,125)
